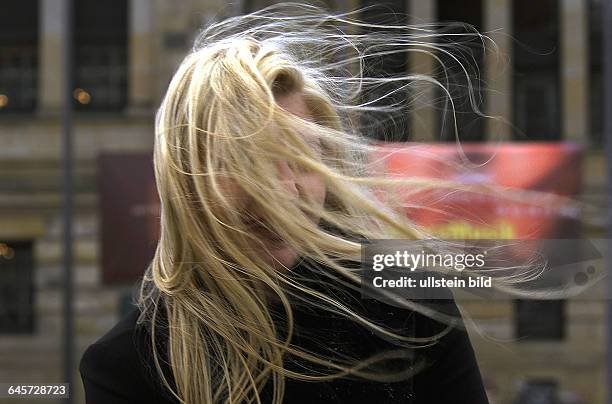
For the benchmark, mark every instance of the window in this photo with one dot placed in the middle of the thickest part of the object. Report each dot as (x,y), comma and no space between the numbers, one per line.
(16,288)
(536,70)
(540,320)
(537,91)
(596,72)
(18,56)
(468,47)
(100,55)
(248,6)
(388,126)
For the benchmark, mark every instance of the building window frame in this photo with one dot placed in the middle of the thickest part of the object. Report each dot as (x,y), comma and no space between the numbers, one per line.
(530,316)
(19,57)
(17,311)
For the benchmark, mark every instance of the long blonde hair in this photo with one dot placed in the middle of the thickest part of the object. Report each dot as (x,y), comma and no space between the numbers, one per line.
(220,119)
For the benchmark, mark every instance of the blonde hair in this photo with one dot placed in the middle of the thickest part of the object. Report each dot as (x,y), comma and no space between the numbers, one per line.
(220,119)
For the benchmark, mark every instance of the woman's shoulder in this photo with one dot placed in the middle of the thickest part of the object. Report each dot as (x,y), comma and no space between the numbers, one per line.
(120,336)
(120,366)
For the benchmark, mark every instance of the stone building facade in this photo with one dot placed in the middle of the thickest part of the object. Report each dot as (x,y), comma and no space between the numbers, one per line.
(157,34)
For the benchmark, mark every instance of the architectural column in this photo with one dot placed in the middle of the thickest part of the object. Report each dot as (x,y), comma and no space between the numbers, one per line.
(575,71)
(51,50)
(423,122)
(140,63)
(498,69)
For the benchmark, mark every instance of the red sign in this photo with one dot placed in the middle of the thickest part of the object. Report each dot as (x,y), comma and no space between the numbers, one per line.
(129,207)
(550,169)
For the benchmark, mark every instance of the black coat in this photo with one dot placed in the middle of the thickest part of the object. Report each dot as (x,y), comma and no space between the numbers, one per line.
(119,368)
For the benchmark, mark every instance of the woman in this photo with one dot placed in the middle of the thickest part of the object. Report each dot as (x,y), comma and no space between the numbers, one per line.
(266,192)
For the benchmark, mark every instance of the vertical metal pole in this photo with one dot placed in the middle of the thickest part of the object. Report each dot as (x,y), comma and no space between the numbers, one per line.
(607,112)
(68,342)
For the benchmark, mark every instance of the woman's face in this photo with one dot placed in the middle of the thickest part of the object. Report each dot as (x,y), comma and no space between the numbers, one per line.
(303,185)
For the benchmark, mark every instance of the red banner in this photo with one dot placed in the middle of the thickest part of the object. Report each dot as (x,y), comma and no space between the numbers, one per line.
(550,169)
(129,210)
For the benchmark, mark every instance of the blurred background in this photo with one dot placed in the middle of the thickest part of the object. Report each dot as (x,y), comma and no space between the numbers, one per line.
(546,80)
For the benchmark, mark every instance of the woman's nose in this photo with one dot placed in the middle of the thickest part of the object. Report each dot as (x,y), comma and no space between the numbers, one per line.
(288,177)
